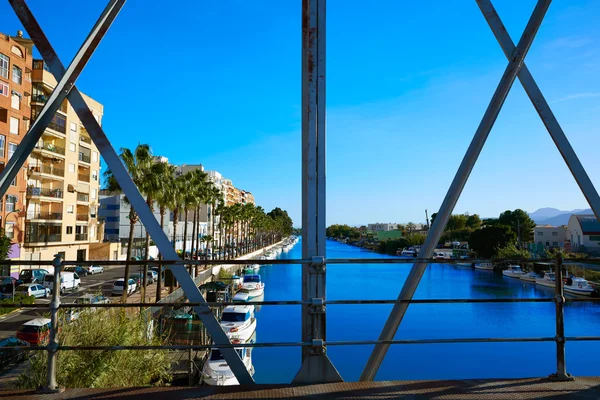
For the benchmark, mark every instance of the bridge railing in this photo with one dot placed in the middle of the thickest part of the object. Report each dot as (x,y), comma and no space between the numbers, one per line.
(559,300)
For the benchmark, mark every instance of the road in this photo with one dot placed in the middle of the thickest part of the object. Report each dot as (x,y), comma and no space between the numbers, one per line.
(89,284)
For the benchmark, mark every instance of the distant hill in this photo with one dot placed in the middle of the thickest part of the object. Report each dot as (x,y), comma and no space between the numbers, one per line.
(553,216)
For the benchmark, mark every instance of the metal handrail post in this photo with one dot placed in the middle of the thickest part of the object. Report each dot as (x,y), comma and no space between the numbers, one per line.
(51,385)
(559,299)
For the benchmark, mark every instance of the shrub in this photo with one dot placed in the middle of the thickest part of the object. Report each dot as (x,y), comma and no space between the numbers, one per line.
(19,298)
(98,369)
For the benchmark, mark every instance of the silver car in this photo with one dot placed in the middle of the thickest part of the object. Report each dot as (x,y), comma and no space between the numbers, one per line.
(32,289)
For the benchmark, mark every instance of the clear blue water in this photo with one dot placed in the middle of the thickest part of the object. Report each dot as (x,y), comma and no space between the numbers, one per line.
(426,361)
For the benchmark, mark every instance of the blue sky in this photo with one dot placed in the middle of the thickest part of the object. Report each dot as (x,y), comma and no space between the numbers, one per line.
(407,85)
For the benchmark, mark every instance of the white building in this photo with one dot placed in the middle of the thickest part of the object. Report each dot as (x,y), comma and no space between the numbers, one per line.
(382,227)
(583,232)
(550,236)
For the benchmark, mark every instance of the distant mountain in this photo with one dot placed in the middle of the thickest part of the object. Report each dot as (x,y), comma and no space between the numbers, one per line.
(553,216)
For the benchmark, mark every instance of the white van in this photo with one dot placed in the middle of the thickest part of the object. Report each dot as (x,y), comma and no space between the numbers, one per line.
(68,281)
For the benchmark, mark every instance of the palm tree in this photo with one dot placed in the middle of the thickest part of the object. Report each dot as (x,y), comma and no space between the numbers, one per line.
(214,194)
(163,200)
(137,164)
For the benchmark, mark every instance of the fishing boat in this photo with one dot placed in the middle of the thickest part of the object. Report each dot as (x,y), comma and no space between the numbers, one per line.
(513,271)
(252,285)
(578,286)
(548,280)
(239,322)
(216,371)
(485,266)
(531,276)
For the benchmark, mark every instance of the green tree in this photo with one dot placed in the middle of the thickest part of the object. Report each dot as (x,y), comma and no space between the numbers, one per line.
(456,221)
(520,222)
(138,164)
(486,241)
(473,221)
(163,201)
(102,369)
(415,239)
(510,251)
(5,243)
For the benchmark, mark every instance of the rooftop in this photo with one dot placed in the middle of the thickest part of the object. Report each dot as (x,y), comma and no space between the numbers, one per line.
(589,224)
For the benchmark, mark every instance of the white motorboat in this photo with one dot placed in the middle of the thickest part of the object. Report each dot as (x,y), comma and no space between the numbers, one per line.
(529,277)
(253,285)
(578,286)
(464,264)
(240,297)
(216,371)
(239,322)
(408,253)
(513,271)
(485,266)
(548,279)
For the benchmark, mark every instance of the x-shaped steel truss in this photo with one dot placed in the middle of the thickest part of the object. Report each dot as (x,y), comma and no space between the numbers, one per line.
(516,67)
(65,88)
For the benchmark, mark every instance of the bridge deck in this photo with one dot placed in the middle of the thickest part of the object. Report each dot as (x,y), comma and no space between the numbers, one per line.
(535,388)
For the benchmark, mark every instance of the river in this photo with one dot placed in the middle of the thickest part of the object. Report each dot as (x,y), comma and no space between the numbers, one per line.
(424,361)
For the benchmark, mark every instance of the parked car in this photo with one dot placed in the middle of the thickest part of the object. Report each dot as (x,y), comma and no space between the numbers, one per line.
(33,289)
(155,269)
(78,269)
(35,332)
(68,281)
(152,276)
(95,269)
(32,275)
(8,283)
(138,278)
(74,313)
(119,285)
(8,357)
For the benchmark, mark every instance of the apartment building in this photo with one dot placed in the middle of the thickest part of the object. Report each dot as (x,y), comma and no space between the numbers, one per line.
(550,236)
(382,227)
(62,179)
(15,95)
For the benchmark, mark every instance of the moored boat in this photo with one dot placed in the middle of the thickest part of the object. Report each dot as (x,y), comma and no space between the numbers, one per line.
(239,322)
(485,266)
(547,280)
(216,371)
(578,286)
(529,277)
(253,285)
(513,271)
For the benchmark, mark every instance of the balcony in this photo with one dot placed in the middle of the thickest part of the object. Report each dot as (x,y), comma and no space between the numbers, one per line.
(42,238)
(83,217)
(47,169)
(83,177)
(84,158)
(81,236)
(37,191)
(46,146)
(83,197)
(56,126)
(54,216)
(85,140)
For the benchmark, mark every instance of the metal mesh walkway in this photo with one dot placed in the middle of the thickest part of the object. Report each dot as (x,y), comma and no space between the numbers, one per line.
(534,388)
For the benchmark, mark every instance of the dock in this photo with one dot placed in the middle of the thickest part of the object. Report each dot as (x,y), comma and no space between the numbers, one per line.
(533,388)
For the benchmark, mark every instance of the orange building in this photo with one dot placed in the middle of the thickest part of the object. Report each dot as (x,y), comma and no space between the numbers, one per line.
(15,110)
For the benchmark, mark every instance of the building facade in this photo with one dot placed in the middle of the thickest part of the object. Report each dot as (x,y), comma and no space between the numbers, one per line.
(583,233)
(547,236)
(382,227)
(62,180)
(16,62)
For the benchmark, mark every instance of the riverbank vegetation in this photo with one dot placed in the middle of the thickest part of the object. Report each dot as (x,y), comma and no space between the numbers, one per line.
(101,368)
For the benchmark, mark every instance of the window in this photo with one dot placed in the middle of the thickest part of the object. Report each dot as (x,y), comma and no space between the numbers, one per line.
(554,233)
(94,156)
(12,147)
(595,238)
(555,244)
(93,212)
(540,233)
(69,230)
(14,125)
(4,62)
(93,232)
(3,89)
(72,147)
(14,182)
(72,168)
(70,209)
(15,100)
(2,145)
(17,76)
(94,192)
(9,230)
(11,201)
(95,175)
